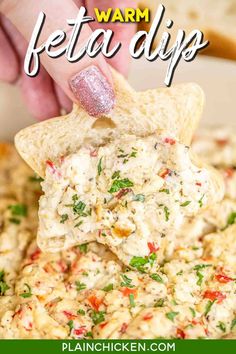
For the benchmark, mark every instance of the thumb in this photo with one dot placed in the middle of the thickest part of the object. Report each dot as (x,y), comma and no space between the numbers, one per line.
(87,81)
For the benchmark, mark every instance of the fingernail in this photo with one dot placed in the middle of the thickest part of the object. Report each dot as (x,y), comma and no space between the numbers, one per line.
(93,91)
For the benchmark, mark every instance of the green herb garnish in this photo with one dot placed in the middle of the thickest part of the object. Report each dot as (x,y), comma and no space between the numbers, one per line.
(157,278)
(200,202)
(221,325)
(231,219)
(36,178)
(208,307)
(159,303)
(185,203)
(15,221)
(192,311)
(98,317)
(119,184)
(131,300)
(83,248)
(115,175)
(127,282)
(3,285)
(18,209)
(164,190)
(100,167)
(80,286)
(171,315)
(139,198)
(64,217)
(138,263)
(71,325)
(27,293)
(167,213)
(108,288)
(81,312)
(233,324)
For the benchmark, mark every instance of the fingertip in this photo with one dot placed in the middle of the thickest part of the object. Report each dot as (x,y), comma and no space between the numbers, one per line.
(39,96)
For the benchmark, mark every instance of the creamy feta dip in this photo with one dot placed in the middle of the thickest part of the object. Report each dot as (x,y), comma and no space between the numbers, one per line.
(132,195)
(85,291)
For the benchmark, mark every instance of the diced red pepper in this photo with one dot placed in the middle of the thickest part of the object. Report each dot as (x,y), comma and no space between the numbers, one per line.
(95,302)
(170,141)
(198,184)
(222,278)
(63,266)
(94,153)
(52,167)
(69,315)
(35,255)
(147,317)
(102,325)
(180,333)
(80,331)
(152,247)
(214,295)
(229,172)
(128,291)
(164,172)
(221,142)
(123,192)
(123,328)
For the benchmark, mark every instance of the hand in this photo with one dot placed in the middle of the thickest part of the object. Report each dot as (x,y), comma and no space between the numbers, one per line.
(59,82)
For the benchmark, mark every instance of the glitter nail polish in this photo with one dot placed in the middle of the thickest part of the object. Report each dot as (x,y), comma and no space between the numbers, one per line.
(93,91)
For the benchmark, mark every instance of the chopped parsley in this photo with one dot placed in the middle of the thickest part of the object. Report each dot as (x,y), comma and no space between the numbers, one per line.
(192,311)
(98,317)
(127,282)
(81,312)
(200,276)
(159,303)
(115,175)
(231,219)
(100,167)
(152,258)
(64,217)
(36,178)
(27,293)
(78,207)
(167,213)
(164,190)
(200,202)
(70,324)
(157,278)
(108,288)
(79,223)
(131,300)
(140,262)
(89,335)
(15,221)
(171,315)
(221,325)
(233,324)
(208,307)
(80,286)
(119,184)
(180,272)
(185,203)
(83,248)
(201,266)
(18,209)
(139,198)
(3,285)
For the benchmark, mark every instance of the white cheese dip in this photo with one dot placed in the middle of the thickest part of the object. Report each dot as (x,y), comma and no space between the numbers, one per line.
(131,195)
